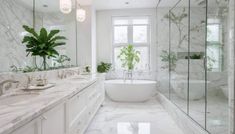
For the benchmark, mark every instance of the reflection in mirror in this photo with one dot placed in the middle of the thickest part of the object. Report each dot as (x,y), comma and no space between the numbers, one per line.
(48,15)
(14,14)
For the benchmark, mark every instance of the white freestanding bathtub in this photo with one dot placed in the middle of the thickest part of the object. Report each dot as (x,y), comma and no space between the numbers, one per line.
(130,90)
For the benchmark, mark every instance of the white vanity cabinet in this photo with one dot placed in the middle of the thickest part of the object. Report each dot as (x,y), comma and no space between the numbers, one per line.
(50,122)
(72,116)
(83,106)
(54,121)
(33,127)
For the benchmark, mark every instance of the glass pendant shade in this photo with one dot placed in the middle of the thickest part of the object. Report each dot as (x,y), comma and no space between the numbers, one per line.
(81,15)
(65,6)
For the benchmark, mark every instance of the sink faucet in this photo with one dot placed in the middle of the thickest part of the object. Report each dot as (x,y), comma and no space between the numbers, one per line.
(74,71)
(2,90)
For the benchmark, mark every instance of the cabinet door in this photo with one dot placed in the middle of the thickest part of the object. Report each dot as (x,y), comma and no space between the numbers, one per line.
(33,127)
(53,121)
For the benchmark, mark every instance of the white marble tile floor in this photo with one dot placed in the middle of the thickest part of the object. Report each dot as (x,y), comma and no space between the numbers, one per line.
(133,118)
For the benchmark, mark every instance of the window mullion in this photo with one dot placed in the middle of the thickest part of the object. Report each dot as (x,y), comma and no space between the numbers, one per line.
(130,34)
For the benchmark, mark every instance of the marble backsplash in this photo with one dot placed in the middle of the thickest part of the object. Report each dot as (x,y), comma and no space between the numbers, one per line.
(26,79)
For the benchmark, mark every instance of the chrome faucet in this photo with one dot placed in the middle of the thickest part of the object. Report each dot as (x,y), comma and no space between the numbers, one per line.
(2,90)
(73,71)
(128,74)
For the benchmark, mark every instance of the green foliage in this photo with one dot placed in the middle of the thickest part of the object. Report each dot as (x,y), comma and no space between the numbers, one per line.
(104,67)
(26,69)
(194,56)
(170,58)
(42,44)
(61,59)
(129,57)
(87,69)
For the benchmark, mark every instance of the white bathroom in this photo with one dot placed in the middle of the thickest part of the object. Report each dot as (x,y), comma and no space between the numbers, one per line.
(117,66)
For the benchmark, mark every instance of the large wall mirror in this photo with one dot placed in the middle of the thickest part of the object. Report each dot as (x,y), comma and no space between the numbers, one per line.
(35,14)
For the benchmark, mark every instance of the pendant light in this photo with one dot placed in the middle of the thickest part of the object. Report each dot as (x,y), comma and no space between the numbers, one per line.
(65,6)
(80,14)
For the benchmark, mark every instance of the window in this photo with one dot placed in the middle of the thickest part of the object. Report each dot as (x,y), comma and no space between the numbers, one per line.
(134,31)
(214,45)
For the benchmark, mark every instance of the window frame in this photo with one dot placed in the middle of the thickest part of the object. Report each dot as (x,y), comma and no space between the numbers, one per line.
(130,37)
(218,44)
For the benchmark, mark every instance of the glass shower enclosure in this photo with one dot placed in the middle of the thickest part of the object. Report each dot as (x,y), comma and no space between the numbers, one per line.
(195,55)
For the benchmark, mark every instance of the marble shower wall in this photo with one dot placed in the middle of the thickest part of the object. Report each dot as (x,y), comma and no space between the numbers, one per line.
(197,45)
(13,16)
(231,61)
(179,44)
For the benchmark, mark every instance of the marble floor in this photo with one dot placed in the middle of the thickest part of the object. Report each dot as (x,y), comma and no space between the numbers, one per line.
(133,118)
(217,111)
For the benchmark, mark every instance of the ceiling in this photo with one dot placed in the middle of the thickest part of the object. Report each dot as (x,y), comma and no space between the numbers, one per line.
(123,4)
(51,5)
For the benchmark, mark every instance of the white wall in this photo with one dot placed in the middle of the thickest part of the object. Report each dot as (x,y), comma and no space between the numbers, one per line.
(87,39)
(104,32)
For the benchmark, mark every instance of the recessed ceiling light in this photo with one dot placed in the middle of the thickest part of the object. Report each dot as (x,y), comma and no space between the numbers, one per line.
(127,3)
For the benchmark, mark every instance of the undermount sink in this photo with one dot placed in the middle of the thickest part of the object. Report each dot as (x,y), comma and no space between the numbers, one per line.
(16,98)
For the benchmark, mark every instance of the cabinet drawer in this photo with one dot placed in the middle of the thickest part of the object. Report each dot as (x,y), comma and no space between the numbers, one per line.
(79,124)
(33,127)
(53,121)
(76,106)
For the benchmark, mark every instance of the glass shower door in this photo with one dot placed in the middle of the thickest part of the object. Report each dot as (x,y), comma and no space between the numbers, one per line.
(197,79)
(179,18)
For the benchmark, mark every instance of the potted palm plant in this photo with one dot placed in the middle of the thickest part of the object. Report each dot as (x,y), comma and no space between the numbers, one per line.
(42,44)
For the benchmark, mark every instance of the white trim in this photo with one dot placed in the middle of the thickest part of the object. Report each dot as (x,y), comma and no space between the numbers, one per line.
(130,36)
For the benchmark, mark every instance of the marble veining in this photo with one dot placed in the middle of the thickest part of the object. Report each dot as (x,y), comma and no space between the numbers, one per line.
(133,118)
(13,16)
(17,114)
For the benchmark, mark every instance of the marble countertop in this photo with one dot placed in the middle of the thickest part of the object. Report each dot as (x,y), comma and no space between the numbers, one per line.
(18,114)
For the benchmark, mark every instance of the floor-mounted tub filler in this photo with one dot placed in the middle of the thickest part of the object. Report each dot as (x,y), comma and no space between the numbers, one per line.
(130,90)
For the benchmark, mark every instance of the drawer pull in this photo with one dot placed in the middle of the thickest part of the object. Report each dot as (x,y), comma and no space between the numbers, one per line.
(44,118)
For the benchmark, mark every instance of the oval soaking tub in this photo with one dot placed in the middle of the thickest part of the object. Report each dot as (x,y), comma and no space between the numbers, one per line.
(130,91)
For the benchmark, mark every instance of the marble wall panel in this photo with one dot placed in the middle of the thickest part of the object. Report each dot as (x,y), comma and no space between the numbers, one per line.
(13,16)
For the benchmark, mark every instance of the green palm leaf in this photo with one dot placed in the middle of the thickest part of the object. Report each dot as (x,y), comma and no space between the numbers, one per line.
(43,44)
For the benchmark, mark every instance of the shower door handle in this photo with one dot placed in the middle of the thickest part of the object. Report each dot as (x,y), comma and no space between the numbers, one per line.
(205,62)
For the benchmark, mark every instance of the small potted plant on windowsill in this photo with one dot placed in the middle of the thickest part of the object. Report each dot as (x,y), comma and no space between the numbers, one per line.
(129,58)
(104,67)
